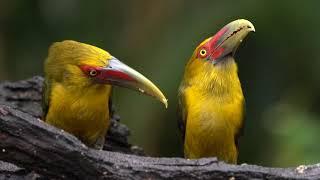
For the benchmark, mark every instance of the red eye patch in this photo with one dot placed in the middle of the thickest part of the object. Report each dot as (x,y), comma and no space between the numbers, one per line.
(211,49)
(203,52)
(105,75)
(90,70)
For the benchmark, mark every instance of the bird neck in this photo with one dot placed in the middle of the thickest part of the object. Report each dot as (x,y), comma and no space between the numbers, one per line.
(93,97)
(219,80)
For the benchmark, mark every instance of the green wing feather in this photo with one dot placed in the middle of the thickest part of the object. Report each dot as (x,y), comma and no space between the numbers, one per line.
(240,131)
(182,112)
(45,98)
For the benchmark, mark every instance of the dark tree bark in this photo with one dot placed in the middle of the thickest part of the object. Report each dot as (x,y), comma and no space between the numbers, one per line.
(26,96)
(31,149)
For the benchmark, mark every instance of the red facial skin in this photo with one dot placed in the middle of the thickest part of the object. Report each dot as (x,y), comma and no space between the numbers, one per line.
(212,51)
(104,75)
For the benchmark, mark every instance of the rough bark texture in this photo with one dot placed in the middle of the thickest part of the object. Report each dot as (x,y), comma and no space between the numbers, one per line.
(26,96)
(31,149)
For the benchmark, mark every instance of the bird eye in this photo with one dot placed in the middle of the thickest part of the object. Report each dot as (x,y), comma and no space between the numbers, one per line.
(203,52)
(93,72)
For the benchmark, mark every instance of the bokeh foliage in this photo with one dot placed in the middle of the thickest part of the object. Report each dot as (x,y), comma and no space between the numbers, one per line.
(278,65)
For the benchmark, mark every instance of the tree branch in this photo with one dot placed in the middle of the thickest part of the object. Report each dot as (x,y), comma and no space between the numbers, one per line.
(45,151)
(26,96)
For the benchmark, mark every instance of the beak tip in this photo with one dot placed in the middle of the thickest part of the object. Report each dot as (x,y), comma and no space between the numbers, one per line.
(247,23)
(165,102)
(251,26)
(253,29)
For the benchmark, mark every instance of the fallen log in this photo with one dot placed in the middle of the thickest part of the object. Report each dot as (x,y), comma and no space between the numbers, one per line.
(30,149)
(26,96)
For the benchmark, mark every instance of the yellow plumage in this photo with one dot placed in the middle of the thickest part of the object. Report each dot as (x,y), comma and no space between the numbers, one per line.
(211,101)
(77,89)
(213,104)
(77,105)
(88,107)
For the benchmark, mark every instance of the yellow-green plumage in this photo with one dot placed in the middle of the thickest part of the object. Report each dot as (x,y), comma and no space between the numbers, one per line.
(211,102)
(72,101)
(77,89)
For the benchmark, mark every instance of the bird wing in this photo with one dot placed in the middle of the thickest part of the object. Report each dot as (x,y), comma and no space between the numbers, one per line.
(45,98)
(240,130)
(182,112)
(111,108)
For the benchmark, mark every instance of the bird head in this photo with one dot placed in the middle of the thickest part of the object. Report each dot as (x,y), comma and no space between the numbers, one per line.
(81,65)
(213,59)
(225,42)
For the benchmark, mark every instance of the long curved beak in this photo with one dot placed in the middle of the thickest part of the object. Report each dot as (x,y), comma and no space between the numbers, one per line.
(228,39)
(118,73)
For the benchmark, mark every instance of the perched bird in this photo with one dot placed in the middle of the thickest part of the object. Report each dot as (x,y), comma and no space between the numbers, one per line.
(211,102)
(77,89)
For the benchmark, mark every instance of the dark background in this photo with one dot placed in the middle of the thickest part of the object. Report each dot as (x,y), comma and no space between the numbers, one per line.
(278,65)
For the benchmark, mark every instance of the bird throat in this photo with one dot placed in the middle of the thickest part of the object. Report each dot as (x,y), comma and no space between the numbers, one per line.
(215,78)
(82,111)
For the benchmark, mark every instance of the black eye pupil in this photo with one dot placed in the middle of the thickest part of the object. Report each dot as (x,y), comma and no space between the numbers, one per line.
(93,72)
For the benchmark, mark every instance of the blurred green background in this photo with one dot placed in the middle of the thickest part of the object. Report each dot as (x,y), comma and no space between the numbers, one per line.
(278,65)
